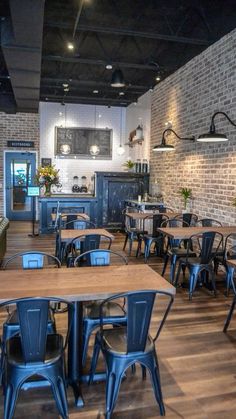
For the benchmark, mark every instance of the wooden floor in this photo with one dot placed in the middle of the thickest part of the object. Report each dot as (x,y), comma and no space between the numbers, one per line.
(197,360)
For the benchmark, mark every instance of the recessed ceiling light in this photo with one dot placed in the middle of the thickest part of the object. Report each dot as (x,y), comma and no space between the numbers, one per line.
(46,98)
(70,46)
(99,116)
(95,91)
(66,89)
(121,93)
(158,78)
(60,113)
(109,67)
(65,85)
(151,89)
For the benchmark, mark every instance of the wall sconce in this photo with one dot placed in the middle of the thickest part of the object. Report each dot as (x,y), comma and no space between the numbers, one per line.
(168,147)
(212,136)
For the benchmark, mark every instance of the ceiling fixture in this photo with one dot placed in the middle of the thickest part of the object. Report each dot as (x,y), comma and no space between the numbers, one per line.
(70,46)
(94,148)
(95,92)
(212,136)
(65,85)
(120,149)
(65,148)
(158,77)
(168,147)
(121,93)
(117,79)
(109,67)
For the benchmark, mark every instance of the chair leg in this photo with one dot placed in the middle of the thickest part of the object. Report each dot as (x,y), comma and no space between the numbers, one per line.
(228,319)
(192,281)
(178,274)
(86,335)
(125,242)
(112,388)
(59,392)
(172,268)
(165,264)
(152,365)
(229,279)
(96,351)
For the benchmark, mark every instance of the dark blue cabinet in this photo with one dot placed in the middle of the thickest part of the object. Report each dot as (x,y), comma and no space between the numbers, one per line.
(112,190)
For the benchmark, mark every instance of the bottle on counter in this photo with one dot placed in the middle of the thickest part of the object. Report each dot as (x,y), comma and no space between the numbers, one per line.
(144,166)
(138,166)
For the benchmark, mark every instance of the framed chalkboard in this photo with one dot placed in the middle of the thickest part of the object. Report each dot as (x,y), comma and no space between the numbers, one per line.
(76,142)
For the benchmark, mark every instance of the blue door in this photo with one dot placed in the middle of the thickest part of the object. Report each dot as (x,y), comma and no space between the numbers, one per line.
(19,174)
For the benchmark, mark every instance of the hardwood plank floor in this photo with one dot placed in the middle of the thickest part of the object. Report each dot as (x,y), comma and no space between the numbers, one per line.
(197,360)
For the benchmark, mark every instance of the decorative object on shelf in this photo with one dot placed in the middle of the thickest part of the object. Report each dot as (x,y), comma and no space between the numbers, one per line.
(120,149)
(117,78)
(186,194)
(46,162)
(129,165)
(167,147)
(46,177)
(212,136)
(94,149)
(136,136)
(75,186)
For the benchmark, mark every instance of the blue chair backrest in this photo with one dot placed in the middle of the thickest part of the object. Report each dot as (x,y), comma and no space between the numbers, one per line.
(32,261)
(139,309)
(157,221)
(99,258)
(208,243)
(33,320)
(91,242)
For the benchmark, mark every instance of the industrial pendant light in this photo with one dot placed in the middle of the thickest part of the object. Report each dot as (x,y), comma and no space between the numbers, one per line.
(65,148)
(117,78)
(212,136)
(167,147)
(120,149)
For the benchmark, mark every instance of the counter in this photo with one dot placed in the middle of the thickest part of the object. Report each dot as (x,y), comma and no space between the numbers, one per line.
(71,202)
(144,205)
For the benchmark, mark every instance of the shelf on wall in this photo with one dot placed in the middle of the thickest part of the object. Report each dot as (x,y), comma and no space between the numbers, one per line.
(134,142)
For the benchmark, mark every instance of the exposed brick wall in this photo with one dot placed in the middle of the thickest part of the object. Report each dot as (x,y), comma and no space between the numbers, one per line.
(189,98)
(20,126)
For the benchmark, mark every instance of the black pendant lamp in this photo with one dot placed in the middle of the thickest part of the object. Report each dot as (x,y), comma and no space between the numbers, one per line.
(117,78)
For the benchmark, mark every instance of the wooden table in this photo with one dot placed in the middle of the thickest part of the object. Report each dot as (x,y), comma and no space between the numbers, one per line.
(78,285)
(143,215)
(66,235)
(186,232)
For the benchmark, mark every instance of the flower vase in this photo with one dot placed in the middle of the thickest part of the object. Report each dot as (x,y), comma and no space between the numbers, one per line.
(47,191)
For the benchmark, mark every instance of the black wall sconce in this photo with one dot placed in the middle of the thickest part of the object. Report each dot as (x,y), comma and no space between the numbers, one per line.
(212,136)
(168,147)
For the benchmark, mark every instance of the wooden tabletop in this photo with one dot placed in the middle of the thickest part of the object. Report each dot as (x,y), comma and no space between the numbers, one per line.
(80,284)
(143,215)
(186,232)
(71,234)
(81,215)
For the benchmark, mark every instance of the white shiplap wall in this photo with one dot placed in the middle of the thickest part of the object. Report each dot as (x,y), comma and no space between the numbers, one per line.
(81,116)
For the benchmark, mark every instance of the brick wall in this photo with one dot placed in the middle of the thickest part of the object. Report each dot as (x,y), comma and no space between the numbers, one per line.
(20,126)
(189,98)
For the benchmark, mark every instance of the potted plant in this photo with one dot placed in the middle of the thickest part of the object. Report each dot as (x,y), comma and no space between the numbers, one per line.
(186,193)
(47,176)
(129,165)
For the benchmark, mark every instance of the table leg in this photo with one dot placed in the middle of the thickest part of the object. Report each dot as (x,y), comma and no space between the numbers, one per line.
(75,352)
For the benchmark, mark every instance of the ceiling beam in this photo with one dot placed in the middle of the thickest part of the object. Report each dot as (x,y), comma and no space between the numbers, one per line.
(85,99)
(57,82)
(93,61)
(129,32)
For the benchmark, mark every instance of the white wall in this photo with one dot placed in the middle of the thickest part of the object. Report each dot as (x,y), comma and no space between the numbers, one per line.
(137,114)
(81,116)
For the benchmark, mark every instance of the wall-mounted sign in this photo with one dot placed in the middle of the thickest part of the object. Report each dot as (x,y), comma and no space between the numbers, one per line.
(19,143)
(33,191)
(46,162)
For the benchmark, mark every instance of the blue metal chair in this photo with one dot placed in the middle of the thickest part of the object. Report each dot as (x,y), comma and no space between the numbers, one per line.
(229,252)
(206,246)
(115,313)
(82,244)
(208,222)
(133,228)
(34,352)
(175,248)
(125,346)
(153,238)
(32,259)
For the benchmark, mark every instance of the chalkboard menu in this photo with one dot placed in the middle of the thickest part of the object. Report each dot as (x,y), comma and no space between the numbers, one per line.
(76,142)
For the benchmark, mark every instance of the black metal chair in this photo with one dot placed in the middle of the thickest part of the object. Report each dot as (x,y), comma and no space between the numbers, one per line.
(84,243)
(122,347)
(229,252)
(32,259)
(115,313)
(34,352)
(153,238)
(205,246)
(175,248)
(208,222)
(188,217)
(133,228)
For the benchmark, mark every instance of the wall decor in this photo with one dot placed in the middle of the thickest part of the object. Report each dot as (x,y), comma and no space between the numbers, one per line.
(46,162)
(77,142)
